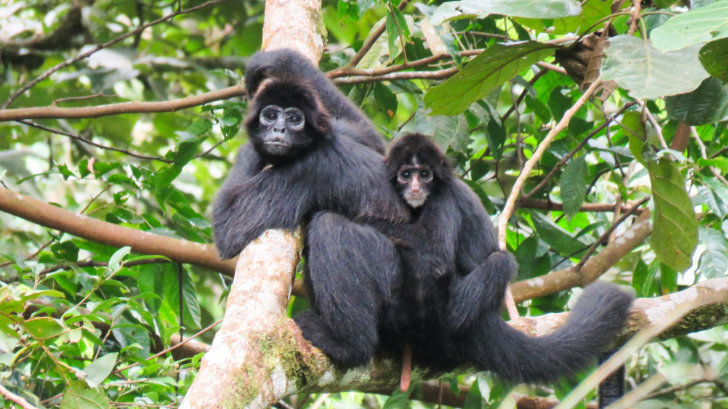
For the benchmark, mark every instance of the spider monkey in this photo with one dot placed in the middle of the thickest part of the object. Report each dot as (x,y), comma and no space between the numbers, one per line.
(454,281)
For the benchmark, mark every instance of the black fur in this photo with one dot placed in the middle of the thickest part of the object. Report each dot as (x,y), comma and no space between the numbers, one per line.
(290,66)
(331,170)
(454,279)
(335,175)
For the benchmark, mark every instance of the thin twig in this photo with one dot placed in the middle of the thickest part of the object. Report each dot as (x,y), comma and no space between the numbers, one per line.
(406,75)
(20,401)
(92,143)
(609,231)
(531,163)
(373,37)
(96,48)
(346,72)
(160,353)
(584,141)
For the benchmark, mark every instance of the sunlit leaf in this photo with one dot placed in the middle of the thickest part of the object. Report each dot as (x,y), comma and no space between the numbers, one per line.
(514,8)
(675,232)
(573,186)
(648,72)
(697,26)
(493,67)
(99,369)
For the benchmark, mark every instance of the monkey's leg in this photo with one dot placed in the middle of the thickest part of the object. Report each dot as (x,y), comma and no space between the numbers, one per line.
(350,270)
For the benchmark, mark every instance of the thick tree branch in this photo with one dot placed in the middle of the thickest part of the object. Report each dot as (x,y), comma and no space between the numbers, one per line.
(42,213)
(312,372)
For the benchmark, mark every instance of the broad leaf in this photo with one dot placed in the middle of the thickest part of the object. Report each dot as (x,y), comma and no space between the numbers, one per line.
(697,26)
(707,104)
(493,67)
(573,186)
(714,261)
(559,239)
(78,396)
(714,57)
(675,232)
(648,72)
(43,327)
(99,369)
(513,8)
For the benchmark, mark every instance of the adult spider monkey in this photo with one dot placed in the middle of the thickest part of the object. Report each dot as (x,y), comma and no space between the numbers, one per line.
(454,279)
(313,156)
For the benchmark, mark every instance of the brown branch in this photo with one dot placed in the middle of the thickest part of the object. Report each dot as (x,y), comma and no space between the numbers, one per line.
(314,373)
(405,75)
(96,48)
(15,398)
(182,251)
(347,72)
(604,237)
(586,207)
(121,108)
(596,266)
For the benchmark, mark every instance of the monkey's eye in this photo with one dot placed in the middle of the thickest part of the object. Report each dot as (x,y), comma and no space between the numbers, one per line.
(294,119)
(424,174)
(405,174)
(269,114)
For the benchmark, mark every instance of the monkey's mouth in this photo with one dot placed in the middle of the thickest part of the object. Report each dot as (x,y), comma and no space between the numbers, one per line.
(277,148)
(415,200)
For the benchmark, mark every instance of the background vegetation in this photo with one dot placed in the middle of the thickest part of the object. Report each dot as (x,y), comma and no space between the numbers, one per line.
(86,322)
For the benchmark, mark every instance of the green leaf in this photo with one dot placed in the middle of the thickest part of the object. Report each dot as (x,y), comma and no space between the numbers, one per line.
(573,185)
(714,260)
(385,99)
(514,8)
(79,396)
(707,104)
(697,26)
(474,400)
(714,57)
(189,294)
(397,400)
(559,239)
(66,250)
(648,72)
(43,327)
(115,260)
(675,233)
(99,369)
(496,65)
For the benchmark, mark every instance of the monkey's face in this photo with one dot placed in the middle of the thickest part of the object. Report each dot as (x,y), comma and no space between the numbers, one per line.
(281,130)
(415,182)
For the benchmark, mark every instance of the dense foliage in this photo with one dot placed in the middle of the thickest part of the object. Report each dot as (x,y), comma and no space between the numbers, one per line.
(79,320)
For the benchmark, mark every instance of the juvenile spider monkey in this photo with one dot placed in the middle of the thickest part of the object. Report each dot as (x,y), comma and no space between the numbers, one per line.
(454,281)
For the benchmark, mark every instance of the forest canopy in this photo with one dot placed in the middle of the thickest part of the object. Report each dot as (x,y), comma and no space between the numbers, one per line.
(593,132)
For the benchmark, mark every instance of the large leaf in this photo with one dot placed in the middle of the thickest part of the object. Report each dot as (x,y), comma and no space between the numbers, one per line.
(573,186)
(675,232)
(493,67)
(78,396)
(714,261)
(99,369)
(650,73)
(513,8)
(714,57)
(697,26)
(707,104)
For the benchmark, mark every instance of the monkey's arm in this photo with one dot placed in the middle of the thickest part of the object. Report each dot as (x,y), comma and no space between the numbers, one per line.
(484,270)
(245,209)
